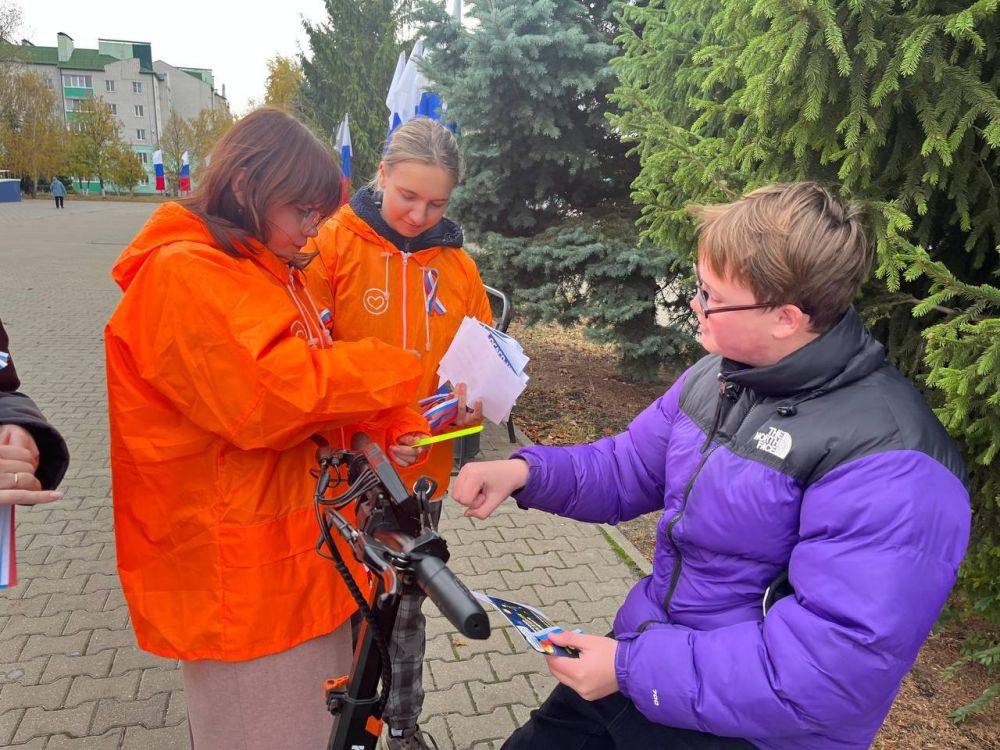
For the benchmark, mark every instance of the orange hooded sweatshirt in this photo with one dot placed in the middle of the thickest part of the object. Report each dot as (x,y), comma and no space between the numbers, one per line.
(373,282)
(219,372)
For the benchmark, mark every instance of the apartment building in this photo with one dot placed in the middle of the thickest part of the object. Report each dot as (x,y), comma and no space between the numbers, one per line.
(141,91)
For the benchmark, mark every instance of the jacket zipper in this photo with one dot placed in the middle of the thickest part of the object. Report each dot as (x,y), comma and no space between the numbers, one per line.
(707,450)
(406,258)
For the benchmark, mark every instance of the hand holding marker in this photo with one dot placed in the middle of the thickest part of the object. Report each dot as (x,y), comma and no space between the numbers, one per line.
(448,436)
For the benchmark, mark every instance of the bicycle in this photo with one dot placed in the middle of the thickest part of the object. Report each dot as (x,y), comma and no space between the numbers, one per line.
(395,541)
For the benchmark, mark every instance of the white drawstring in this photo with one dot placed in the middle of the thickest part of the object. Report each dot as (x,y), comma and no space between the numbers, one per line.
(325,333)
(303,313)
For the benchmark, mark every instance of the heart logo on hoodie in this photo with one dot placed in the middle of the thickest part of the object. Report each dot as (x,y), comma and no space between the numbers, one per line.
(376,301)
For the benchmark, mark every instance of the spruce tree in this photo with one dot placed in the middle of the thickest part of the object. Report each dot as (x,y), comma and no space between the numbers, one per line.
(595,269)
(524,83)
(348,69)
(547,177)
(894,102)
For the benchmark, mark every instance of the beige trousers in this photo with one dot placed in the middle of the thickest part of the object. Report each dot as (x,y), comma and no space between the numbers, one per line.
(275,702)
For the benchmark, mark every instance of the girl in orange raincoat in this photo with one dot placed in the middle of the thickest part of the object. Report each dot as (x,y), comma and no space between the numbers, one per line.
(219,372)
(392,266)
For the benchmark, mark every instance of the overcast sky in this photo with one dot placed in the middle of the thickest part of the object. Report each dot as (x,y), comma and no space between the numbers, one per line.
(234,38)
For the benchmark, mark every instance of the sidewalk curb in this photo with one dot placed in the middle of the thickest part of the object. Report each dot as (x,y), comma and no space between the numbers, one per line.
(634,558)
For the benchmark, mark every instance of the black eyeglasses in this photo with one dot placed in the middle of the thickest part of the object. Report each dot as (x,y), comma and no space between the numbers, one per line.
(702,297)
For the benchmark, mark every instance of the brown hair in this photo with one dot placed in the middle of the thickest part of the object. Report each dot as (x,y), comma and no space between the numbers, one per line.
(427,141)
(283,164)
(794,243)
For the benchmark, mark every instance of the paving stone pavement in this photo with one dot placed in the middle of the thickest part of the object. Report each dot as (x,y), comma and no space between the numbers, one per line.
(71,675)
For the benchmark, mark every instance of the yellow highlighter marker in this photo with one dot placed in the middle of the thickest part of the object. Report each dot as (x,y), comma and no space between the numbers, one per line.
(448,436)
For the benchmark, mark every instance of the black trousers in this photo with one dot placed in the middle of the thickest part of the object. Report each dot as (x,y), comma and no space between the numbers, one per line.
(59,201)
(568,722)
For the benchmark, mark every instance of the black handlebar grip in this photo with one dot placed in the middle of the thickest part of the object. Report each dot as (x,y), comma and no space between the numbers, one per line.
(452,598)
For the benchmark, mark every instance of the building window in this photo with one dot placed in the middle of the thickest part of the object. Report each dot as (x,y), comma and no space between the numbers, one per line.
(140,134)
(78,82)
(136,87)
(114,108)
(139,111)
(73,105)
(144,157)
(109,86)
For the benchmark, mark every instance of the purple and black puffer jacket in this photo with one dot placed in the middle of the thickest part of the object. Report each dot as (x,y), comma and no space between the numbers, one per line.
(827,466)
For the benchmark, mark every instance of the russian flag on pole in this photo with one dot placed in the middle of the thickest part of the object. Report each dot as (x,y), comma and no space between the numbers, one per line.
(410,95)
(184,180)
(343,145)
(394,119)
(158,170)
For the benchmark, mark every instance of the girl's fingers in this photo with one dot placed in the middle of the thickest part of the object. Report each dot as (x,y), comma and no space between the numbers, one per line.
(9,466)
(28,497)
(16,453)
(19,480)
(404,455)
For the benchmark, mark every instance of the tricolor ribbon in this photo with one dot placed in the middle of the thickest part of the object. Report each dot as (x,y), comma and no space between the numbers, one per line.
(434,305)
(326,318)
(440,409)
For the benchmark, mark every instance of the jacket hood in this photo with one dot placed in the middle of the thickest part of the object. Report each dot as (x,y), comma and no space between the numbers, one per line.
(366,205)
(845,353)
(169,223)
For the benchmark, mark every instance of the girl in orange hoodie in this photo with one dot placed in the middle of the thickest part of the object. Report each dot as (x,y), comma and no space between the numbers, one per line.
(219,372)
(392,266)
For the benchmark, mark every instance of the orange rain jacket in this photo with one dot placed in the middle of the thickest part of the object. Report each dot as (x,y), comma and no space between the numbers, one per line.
(218,373)
(372,280)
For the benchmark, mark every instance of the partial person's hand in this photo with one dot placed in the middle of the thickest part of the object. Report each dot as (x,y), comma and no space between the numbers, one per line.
(482,486)
(404,453)
(592,673)
(467,417)
(18,437)
(18,464)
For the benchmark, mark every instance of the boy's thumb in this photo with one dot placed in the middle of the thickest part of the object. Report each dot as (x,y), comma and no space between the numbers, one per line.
(568,638)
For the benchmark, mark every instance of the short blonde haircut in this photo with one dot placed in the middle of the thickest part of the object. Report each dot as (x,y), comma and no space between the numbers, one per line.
(426,141)
(794,243)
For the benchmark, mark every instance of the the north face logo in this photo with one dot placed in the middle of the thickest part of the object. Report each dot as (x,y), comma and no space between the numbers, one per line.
(774,441)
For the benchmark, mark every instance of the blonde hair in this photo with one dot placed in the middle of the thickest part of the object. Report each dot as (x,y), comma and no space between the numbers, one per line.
(795,243)
(426,141)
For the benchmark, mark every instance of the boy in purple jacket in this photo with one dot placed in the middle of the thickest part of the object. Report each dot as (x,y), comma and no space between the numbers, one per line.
(793,459)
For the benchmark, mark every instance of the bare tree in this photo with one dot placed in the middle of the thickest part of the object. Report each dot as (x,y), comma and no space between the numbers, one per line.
(10,21)
(33,137)
(94,139)
(125,167)
(176,138)
(207,128)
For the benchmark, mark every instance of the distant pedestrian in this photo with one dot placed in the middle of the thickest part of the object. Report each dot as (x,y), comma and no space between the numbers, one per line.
(58,192)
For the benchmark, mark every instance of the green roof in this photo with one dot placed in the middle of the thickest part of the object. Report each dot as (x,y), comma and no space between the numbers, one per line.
(81,59)
(202,74)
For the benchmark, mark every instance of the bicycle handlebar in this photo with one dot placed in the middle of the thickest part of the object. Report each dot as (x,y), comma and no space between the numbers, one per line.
(426,556)
(452,598)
